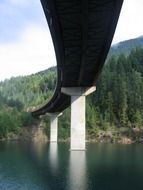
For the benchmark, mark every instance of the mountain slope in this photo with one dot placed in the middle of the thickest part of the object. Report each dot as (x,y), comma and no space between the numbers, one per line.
(126,46)
(116,106)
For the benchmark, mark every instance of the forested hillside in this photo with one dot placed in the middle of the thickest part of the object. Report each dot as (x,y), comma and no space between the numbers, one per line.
(113,111)
(119,96)
(126,46)
(29,90)
(19,94)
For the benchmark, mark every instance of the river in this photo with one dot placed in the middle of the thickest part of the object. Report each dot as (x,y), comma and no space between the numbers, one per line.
(25,166)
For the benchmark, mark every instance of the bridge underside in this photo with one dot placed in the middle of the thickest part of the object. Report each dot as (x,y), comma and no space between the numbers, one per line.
(82,32)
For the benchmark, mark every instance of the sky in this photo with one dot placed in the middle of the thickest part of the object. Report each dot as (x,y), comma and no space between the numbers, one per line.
(25,42)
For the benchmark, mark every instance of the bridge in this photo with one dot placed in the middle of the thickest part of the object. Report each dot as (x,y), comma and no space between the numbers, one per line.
(82,32)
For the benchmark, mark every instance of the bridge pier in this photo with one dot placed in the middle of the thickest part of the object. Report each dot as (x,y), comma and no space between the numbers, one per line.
(78,102)
(54,126)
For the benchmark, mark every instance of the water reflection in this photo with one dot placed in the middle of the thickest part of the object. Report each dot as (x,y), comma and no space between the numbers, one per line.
(77,171)
(37,150)
(53,167)
(53,156)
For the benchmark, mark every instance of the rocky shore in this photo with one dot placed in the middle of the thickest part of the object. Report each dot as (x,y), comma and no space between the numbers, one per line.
(123,136)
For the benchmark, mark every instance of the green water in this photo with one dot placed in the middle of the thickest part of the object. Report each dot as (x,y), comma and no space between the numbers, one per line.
(54,167)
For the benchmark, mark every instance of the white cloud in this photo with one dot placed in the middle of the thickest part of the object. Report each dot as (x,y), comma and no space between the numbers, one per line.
(33,50)
(22,2)
(31,53)
(17,1)
(130,22)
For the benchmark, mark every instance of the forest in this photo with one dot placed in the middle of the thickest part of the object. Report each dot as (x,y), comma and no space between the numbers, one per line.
(114,111)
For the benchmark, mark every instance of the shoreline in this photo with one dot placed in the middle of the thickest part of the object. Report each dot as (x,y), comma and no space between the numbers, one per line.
(123,141)
(111,135)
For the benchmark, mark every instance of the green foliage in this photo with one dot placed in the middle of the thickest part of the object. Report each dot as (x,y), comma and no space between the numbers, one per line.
(23,92)
(20,93)
(119,95)
(117,102)
(9,122)
(26,119)
(64,125)
(46,126)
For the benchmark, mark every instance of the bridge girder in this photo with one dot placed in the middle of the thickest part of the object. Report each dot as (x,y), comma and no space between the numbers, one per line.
(82,32)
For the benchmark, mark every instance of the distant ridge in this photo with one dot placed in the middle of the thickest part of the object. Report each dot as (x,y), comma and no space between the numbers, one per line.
(122,47)
(50,69)
(126,46)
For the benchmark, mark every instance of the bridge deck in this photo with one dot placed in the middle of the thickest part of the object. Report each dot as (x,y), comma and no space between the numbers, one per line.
(82,33)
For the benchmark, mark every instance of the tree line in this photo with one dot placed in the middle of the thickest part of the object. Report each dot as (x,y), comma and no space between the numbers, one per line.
(117,102)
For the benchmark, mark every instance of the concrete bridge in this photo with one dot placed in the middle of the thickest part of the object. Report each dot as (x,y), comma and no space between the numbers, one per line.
(82,32)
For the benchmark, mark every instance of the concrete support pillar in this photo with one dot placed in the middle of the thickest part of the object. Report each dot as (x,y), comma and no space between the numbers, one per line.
(77,122)
(78,95)
(54,126)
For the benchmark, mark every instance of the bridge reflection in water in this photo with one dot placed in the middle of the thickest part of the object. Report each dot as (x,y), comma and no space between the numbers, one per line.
(77,170)
(53,157)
